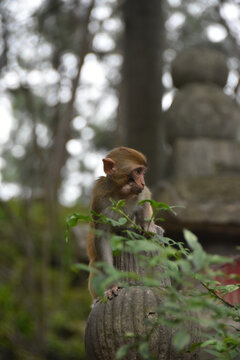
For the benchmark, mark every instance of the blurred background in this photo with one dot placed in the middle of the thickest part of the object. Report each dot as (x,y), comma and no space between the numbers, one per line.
(79,77)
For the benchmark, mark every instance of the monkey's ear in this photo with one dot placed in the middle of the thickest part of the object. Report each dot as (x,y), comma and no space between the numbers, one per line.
(108,166)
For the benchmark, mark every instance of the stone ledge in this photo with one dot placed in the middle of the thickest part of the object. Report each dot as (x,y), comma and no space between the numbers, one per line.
(204,200)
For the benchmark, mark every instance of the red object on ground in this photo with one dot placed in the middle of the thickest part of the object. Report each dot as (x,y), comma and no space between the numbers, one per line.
(233,297)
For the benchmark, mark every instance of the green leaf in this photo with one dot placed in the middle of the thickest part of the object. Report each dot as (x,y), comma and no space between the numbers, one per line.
(146,201)
(159,219)
(66,235)
(129,334)
(144,350)
(73,219)
(195,346)
(121,203)
(228,288)
(84,267)
(191,240)
(120,222)
(158,205)
(231,340)
(98,284)
(185,266)
(199,257)
(181,339)
(150,282)
(122,351)
(133,235)
(163,206)
(218,259)
(136,246)
(209,342)
(117,243)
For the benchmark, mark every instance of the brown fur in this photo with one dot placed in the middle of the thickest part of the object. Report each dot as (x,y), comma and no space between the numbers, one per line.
(117,186)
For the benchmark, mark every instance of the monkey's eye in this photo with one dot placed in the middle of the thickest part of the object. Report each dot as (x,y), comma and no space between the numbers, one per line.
(131,178)
(140,171)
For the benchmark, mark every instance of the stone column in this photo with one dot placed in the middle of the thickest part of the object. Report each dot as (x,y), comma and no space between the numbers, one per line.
(203,128)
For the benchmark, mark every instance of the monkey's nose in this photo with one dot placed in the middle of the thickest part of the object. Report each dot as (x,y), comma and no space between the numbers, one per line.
(140,189)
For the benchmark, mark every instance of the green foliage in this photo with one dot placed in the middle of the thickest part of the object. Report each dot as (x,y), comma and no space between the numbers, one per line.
(194,297)
(43,303)
(72,220)
(181,339)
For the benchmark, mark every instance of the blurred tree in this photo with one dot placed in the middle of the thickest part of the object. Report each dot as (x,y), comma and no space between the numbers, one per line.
(73,25)
(212,23)
(44,110)
(60,64)
(142,81)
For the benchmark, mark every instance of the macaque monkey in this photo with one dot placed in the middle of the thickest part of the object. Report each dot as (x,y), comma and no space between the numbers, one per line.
(124,180)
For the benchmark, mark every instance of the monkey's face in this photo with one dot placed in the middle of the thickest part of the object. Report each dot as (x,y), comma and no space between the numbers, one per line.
(126,168)
(137,177)
(135,182)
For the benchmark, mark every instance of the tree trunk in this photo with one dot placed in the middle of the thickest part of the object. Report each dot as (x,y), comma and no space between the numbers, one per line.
(58,157)
(142,81)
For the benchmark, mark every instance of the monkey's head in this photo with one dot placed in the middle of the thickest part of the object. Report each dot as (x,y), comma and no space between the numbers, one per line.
(126,167)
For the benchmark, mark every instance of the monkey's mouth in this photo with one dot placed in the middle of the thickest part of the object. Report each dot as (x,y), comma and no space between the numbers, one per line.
(137,190)
(131,189)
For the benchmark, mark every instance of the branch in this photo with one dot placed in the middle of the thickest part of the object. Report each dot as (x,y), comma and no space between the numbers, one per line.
(234,39)
(63,130)
(213,292)
(225,24)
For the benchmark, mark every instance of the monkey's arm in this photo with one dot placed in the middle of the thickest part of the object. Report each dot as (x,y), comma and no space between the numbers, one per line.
(99,247)
(144,214)
(103,253)
(103,246)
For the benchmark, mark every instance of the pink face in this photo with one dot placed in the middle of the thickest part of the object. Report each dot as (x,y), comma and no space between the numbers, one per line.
(136,182)
(137,175)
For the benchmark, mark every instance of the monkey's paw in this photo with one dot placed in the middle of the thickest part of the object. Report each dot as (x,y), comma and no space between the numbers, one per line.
(158,230)
(155,229)
(112,292)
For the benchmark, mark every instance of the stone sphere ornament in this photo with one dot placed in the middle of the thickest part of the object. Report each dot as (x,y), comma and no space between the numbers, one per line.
(202,111)
(127,320)
(200,65)
(130,318)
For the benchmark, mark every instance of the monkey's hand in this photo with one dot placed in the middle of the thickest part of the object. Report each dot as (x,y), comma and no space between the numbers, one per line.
(155,229)
(112,292)
(158,230)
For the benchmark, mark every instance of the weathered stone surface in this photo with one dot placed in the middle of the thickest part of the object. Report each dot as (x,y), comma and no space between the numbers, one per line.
(203,200)
(203,111)
(203,127)
(204,157)
(129,262)
(127,313)
(202,65)
(131,312)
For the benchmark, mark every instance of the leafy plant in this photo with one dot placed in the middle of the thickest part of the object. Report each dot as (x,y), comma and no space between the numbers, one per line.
(194,289)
